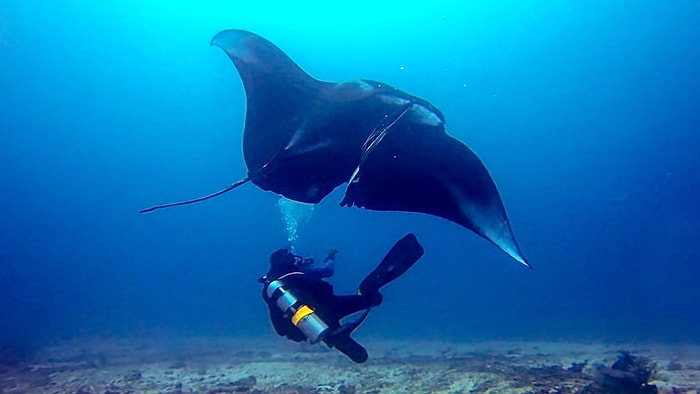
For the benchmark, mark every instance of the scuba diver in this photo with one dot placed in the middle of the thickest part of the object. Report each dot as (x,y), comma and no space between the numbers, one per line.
(303,307)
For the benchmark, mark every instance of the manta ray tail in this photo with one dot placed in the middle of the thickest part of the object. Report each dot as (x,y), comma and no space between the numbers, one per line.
(195,200)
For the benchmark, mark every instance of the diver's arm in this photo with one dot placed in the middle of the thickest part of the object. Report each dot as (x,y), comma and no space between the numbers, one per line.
(326,270)
(323,270)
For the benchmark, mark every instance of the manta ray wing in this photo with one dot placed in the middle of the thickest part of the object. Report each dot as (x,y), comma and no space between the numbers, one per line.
(416,167)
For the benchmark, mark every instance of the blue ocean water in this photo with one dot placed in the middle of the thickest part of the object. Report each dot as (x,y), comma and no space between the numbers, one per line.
(585,113)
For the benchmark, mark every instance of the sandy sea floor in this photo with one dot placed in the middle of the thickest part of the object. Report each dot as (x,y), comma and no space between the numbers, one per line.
(272,365)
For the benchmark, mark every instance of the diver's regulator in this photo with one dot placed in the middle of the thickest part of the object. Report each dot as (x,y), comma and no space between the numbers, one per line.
(302,316)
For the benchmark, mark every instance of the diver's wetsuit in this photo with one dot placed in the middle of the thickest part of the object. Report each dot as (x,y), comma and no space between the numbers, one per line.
(305,281)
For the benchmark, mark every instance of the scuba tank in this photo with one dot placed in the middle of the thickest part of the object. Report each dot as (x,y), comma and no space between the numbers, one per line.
(301,315)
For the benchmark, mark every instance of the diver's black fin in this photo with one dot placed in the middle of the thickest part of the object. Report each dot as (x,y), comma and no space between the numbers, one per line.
(400,258)
(349,347)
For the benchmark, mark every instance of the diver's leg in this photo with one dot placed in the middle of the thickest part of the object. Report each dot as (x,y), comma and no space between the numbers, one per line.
(349,304)
(339,337)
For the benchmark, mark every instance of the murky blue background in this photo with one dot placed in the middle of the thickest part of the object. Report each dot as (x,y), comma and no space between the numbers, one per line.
(587,114)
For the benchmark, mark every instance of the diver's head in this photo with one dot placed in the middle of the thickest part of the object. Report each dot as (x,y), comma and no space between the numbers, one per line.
(282,261)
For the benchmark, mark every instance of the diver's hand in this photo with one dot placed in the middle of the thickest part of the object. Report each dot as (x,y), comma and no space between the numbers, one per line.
(330,256)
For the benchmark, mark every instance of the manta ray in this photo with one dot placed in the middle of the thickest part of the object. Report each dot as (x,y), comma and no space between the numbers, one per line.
(304,137)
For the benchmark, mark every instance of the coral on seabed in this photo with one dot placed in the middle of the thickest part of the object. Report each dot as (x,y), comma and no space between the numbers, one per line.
(628,375)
